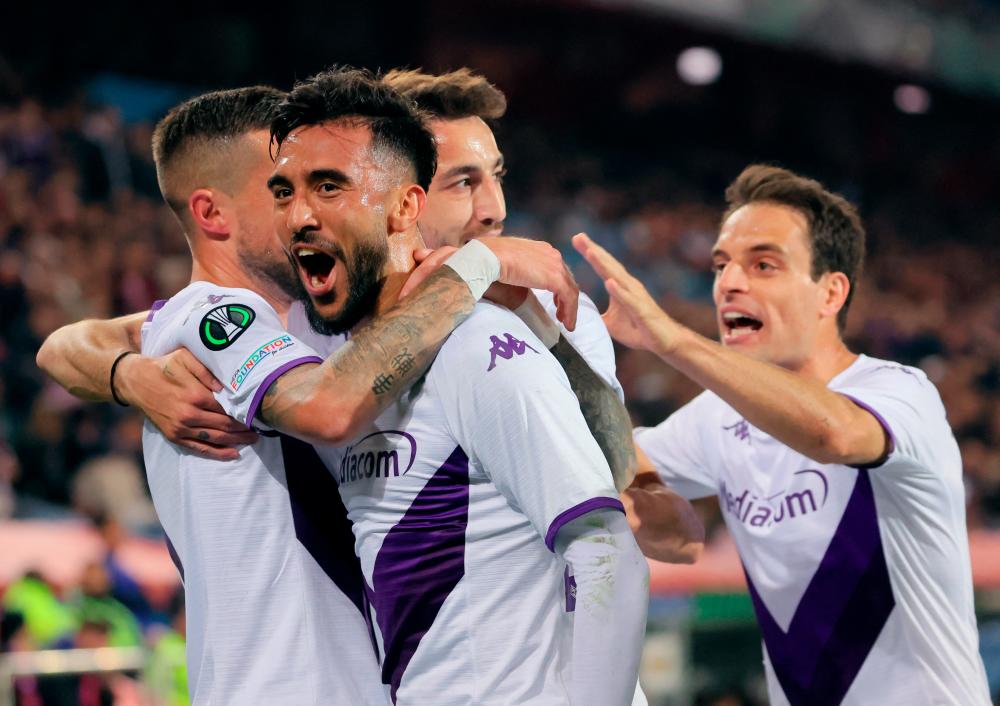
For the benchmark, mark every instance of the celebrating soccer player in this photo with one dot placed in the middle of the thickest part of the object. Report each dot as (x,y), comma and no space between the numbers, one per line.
(838,474)
(262,539)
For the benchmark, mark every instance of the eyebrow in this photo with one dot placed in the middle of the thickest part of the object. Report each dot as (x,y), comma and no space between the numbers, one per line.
(317,175)
(471,169)
(762,247)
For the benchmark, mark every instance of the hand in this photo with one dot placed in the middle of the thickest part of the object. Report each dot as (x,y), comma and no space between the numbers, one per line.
(633,318)
(537,265)
(532,264)
(507,295)
(175,393)
(429,261)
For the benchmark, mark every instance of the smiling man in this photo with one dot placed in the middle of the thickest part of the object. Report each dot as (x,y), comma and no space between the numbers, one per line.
(837,474)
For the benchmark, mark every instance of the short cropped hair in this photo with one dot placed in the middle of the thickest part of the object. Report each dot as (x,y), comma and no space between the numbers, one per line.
(837,238)
(203,129)
(450,96)
(357,94)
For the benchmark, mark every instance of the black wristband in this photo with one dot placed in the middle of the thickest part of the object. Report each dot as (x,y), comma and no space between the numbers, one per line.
(111,380)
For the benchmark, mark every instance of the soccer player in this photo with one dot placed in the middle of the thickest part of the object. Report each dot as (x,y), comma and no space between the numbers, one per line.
(274,592)
(838,474)
(471,496)
(466,201)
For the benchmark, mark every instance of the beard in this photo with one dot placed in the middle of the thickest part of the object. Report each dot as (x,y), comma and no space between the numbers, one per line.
(364,284)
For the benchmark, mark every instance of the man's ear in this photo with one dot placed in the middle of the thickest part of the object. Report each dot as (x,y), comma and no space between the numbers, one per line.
(407,210)
(208,216)
(834,293)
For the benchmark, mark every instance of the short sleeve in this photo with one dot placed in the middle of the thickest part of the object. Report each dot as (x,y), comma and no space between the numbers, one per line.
(908,407)
(511,408)
(590,338)
(239,337)
(675,448)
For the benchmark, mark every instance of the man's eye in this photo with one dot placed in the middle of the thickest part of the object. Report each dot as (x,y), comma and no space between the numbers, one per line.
(499,176)
(765,266)
(282,193)
(328,187)
(718,267)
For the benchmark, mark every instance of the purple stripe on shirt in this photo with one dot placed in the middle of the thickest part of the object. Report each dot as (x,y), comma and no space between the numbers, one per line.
(420,562)
(840,615)
(885,426)
(157,305)
(269,380)
(320,518)
(567,516)
(174,556)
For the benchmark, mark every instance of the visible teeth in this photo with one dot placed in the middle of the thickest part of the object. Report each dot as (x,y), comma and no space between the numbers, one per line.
(740,331)
(306,251)
(315,281)
(731,315)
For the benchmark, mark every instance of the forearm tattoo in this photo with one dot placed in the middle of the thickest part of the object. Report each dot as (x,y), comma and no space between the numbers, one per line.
(386,356)
(605,414)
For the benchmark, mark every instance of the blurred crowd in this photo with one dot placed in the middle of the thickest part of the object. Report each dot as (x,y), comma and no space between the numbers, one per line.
(83,233)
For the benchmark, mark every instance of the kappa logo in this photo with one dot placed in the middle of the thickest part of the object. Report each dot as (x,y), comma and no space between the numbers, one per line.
(506,349)
(224,324)
(741,430)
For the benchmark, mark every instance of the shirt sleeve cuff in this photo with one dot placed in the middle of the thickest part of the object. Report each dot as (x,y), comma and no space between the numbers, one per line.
(262,389)
(567,516)
(890,437)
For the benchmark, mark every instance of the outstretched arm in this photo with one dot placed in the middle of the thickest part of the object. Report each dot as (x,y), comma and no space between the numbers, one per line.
(797,411)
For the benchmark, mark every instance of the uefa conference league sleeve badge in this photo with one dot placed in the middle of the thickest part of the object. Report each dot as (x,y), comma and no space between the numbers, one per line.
(224,324)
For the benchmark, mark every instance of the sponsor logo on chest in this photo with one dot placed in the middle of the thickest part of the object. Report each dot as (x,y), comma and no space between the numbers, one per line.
(806,493)
(381,454)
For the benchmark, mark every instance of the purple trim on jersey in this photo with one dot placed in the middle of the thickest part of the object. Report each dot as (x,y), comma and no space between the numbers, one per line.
(567,516)
(885,427)
(320,518)
(272,376)
(420,562)
(174,556)
(157,305)
(841,613)
(570,582)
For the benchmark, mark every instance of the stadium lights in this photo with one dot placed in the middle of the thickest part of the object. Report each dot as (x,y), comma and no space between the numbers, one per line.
(699,66)
(910,99)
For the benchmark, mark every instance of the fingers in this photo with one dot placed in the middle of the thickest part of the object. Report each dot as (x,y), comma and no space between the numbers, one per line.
(221,438)
(198,371)
(600,259)
(208,451)
(198,418)
(431,262)
(568,301)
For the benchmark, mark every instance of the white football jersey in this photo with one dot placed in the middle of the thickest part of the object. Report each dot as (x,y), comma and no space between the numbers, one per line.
(274,594)
(860,577)
(457,493)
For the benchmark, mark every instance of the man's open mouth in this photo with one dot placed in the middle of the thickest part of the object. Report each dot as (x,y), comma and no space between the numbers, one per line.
(317,269)
(737,323)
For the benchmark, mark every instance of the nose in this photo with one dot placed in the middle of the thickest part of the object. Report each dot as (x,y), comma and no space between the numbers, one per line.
(489,204)
(732,278)
(301,216)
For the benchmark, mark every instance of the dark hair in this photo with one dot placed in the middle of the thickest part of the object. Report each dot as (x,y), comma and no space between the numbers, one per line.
(347,93)
(836,234)
(450,96)
(214,116)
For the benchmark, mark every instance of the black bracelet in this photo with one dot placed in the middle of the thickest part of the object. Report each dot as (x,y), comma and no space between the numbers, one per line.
(111,380)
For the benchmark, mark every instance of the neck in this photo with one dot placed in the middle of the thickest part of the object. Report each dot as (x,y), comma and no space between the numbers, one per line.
(828,360)
(399,265)
(217,267)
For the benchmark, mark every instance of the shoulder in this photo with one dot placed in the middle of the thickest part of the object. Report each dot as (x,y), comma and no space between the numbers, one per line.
(888,379)
(492,341)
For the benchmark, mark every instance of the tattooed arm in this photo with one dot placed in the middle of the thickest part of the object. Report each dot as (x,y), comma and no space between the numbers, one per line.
(606,416)
(331,402)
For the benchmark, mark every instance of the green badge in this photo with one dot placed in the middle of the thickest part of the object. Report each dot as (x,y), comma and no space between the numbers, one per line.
(224,324)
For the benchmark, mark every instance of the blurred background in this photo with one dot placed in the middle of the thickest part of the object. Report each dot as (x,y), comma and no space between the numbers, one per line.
(627,120)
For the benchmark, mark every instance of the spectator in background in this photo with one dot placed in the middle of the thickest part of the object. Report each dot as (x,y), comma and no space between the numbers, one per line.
(93,604)
(46,619)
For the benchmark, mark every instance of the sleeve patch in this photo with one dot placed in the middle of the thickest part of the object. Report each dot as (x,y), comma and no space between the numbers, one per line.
(506,348)
(221,326)
(270,348)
